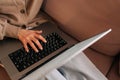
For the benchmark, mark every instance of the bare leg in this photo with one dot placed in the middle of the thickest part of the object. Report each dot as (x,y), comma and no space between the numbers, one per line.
(3,74)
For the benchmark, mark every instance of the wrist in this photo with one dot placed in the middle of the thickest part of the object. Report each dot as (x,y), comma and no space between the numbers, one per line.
(20,32)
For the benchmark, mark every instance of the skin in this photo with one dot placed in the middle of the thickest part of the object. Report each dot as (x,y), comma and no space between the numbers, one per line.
(30,37)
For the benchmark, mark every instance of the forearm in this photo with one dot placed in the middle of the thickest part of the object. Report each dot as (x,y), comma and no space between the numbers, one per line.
(7,29)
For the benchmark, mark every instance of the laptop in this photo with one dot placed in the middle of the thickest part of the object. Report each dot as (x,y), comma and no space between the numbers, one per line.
(59,49)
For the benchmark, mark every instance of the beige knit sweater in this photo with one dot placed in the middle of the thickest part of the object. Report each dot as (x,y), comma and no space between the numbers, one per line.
(16,14)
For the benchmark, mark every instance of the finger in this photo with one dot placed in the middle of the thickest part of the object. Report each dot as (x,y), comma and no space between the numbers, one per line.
(39,32)
(25,46)
(33,46)
(37,43)
(24,42)
(41,38)
(2,65)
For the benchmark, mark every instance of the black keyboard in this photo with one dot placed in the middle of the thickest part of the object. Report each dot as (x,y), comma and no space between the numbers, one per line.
(23,60)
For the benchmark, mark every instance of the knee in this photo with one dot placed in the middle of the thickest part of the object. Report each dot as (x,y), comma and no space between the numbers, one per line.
(3,74)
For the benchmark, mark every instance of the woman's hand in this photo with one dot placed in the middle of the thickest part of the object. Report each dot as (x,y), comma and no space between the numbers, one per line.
(30,37)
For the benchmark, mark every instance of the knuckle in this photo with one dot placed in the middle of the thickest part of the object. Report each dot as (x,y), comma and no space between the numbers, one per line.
(27,38)
(37,35)
(33,33)
(36,41)
(24,40)
(40,37)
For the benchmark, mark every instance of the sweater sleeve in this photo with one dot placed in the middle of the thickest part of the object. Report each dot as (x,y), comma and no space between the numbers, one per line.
(7,29)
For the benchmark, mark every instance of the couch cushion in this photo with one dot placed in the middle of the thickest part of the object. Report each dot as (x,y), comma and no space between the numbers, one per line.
(85,18)
(102,62)
(3,74)
(114,71)
(119,64)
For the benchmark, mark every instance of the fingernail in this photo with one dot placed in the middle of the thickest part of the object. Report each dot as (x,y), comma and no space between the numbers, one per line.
(45,41)
(27,51)
(37,51)
(41,48)
(40,30)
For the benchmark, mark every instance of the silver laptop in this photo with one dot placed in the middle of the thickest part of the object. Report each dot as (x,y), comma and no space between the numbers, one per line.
(59,48)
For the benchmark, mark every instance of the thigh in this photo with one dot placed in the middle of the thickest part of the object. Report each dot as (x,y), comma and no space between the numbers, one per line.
(3,74)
